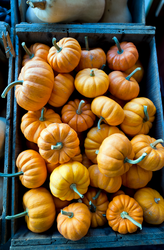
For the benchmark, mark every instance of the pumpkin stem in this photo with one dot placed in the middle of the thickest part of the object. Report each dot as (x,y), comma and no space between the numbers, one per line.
(27,50)
(41,4)
(120,51)
(103,66)
(135,161)
(11,175)
(42,115)
(11,217)
(55,45)
(97,195)
(86,43)
(132,73)
(153,144)
(73,187)
(92,73)
(99,122)
(157,200)
(58,146)
(104,215)
(79,110)
(124,215)
(93,207)
(96,152)
(69,214)
(146,118)
(6,90)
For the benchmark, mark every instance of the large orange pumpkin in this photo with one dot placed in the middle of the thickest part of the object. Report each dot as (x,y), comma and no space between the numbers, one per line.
(122,56)
(58,143)
(65,55)
(73,222)
(152,204)
(124,214)
(78,115)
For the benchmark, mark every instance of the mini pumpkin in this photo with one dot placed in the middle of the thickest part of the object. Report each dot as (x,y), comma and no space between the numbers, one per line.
(33,122)
(59,204)
(78,115)
(85,161)
(58,143)
(139,116)
(39,210)
(65,55)
(77,217)
(69,181)
(122,56)
(152,204)
(138,75)
(155,152)
(91,82)
(124,214)
(97,202)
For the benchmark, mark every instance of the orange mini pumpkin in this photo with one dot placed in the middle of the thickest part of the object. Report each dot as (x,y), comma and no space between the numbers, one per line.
(78,115)
(58,143)
(91,82)
(124,214)
(65,55)
(138,76)
(33,122)
(59,204)
(122,56)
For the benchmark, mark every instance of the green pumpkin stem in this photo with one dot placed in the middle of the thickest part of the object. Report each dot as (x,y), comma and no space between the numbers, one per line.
(153,144)
(103,66)
(97,195)
(40,4)
(6,90)
(92,73)
(157,200)
(27,50)
(135,161)
(146,117)
(132,73)
(86,43)
(55,45)
(42,115)
(104,215)
(12,175)
(58,146)
(79,110)
(74,188)
(69,214)
(93,207)
(124,215)
(96,152)
(15,216)
(99,122)
(120,51)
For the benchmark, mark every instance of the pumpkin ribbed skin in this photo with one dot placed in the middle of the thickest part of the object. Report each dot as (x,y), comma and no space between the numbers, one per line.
(112,153)
(101,203)
(40,52)
(136,177)
(85,161)
(78,121)
(124,60)
(110,110)
(154,160)
(33,167)
(152,204)
(95,137)
(68,58)
(122,88)
(58,133)
(135,121)
(62,89)
(38,79)
(33,123)
(91,84)
(76,227)
(119,204)
(66,174)
(41,209)
(98,180)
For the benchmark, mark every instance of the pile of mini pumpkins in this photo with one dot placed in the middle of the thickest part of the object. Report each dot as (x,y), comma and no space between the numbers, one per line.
(85,173)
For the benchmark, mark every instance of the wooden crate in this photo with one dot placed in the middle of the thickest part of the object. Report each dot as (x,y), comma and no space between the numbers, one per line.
(144,39)
(136,7)
(5,226)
